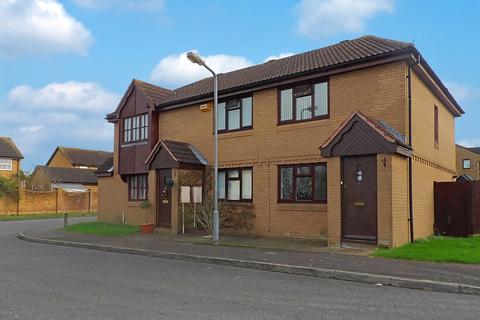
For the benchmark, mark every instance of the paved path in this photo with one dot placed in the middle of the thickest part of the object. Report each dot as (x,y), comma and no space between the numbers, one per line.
(444,272)
(52,282)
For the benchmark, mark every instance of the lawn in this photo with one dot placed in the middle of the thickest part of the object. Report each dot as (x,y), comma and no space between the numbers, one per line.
(45,216)
(437,249)
(102,229)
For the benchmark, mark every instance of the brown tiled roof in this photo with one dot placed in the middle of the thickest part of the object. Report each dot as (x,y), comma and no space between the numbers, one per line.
(66,175)
(311,61)
(179,151)
(84,157)
(106,167)
(475,149)
(386,131)
(8,149)
(153,93)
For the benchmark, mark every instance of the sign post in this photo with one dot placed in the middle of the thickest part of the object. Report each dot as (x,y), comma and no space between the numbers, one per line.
(184,198)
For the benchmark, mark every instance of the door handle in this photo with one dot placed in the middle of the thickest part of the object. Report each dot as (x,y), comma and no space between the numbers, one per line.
(359,204)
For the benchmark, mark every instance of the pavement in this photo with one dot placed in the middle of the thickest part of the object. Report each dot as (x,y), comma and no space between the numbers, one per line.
(444,277)
(40,281)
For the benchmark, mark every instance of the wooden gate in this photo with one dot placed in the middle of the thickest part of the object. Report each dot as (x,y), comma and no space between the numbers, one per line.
(457,208)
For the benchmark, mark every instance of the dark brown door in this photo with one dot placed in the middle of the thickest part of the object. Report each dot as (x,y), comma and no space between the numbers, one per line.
(359,198)
(164,198)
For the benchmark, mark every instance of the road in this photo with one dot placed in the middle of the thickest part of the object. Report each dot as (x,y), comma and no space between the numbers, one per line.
(50,282)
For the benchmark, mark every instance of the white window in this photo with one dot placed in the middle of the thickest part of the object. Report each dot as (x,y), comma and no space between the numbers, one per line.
(235,114)
(6,165)
(304,102)
(235,184)
(467,164)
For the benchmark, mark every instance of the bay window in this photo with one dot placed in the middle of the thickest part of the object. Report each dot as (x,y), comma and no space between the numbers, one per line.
(135,128)
(304,102)
(235,114)
(303,183)
(235,184)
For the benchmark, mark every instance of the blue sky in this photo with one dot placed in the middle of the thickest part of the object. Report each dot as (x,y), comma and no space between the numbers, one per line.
(65,64)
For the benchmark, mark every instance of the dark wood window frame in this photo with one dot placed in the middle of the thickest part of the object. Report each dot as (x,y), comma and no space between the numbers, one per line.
(239,107)
(294,101)
(135,183)
(469,164)
(141,129)
(294,182)
(239,178)
(435,125)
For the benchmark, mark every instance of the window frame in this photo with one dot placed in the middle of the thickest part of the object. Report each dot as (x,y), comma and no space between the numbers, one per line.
(240,177)
(312,84)
(294,182)
(142,127)
(10,162)
(137,187)
(240,99)
(469,164)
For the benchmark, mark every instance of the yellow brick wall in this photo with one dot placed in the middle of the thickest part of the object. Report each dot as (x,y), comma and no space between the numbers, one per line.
(431,162)
(59,160)
(463,153)
(400,200)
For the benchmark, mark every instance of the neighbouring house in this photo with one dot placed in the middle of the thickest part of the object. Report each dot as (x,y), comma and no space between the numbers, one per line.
(10,158)
(78,158)
(72,171)
(344,143)
(468,163)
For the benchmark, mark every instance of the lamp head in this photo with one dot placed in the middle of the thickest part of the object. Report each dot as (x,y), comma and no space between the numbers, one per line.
(195,58)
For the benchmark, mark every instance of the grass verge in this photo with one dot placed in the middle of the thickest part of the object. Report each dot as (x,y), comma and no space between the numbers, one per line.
(102,229)
(437,249)
(45,216)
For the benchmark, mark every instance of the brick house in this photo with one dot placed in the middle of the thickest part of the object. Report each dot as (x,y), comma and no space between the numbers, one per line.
(468,162)
(10,158)
(342,143)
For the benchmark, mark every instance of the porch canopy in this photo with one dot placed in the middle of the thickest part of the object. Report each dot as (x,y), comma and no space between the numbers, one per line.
(362,135)
(174,154)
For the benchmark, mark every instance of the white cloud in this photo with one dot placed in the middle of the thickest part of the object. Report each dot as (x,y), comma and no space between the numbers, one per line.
(177,70)
(279,56)
(40,26)
(469,143)
(122,4)
(68,96)
(461,92)
(324,18)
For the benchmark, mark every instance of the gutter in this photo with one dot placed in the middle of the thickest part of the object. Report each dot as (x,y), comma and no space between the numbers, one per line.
(410,159)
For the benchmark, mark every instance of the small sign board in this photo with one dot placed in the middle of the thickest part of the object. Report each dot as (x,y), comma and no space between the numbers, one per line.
(197,194)
(185,194)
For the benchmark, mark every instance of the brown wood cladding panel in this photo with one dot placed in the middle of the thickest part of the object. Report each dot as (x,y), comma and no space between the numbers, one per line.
(453,208)
(126,159)
(141,153)
(360,139)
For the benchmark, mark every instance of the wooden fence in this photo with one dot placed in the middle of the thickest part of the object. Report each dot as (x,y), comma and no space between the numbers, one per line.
(457,208)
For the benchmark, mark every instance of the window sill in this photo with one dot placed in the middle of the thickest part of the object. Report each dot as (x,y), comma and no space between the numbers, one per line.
(302,124)
(320,207)
(235,134)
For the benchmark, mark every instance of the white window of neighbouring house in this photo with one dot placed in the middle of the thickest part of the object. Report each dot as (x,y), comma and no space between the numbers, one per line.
(235,184)
(6,164)
(304,102)
(303,183)
(235,114)
(466,164)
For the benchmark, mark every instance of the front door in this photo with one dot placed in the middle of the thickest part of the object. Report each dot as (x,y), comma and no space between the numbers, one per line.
(164,198)
(359,198)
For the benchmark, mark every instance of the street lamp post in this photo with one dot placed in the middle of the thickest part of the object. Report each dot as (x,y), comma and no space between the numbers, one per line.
(193,57)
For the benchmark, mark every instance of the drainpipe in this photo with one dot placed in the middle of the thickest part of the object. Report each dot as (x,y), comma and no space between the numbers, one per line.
(410,160)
